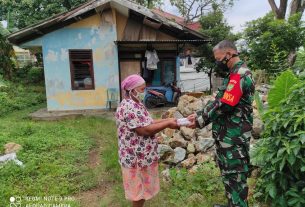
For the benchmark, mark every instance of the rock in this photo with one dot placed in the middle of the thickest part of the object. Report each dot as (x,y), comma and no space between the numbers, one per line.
(190,148)
(265,98)
(190,155)
(188,133)
(188,163)
(194,169)
(203,144)
(177,141)
(179,154)
(165,175)
(12,147)
(178,115)
(257,128)
(206,99)
(188,105)
(203,157)
(169,132)
(204,132)
(169,113)
(164,151)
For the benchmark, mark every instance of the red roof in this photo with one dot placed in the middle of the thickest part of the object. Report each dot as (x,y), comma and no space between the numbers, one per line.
(196,26)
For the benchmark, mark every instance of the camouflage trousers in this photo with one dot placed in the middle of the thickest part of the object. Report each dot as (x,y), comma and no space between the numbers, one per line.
(234,175)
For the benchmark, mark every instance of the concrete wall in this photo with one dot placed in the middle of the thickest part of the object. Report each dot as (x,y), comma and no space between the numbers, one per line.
(91,33)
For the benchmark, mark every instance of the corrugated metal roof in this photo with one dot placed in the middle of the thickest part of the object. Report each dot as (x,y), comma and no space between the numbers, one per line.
(87,9)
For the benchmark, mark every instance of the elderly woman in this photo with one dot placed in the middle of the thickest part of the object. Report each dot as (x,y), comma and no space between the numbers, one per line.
(137,143)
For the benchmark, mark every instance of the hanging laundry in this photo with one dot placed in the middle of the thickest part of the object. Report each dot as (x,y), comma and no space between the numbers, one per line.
(152,60)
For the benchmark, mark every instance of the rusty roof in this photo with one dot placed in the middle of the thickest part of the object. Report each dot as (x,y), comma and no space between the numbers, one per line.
(92,7)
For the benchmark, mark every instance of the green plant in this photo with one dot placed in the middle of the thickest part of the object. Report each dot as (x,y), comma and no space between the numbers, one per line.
(281,150)
(281,88)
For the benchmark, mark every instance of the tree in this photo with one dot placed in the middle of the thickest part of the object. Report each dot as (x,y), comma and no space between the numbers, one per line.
(194,9)
(213,25)
(24,13)
(149,3)
(296,6)
(270,40)
(6,63)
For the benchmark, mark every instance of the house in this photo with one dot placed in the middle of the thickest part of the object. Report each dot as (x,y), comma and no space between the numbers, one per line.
(24,57)
(89,50)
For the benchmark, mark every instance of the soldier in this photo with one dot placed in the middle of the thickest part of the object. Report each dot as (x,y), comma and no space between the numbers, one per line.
(231,117)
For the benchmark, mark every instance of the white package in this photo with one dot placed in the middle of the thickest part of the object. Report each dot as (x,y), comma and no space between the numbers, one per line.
(183,122)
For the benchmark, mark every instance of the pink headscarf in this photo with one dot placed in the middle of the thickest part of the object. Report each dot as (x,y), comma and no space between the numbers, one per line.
(131,82)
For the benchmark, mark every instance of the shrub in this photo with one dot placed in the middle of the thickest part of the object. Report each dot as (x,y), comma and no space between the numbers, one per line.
(281,151)
(14,96)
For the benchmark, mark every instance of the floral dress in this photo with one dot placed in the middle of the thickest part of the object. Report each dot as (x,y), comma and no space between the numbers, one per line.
(138,155)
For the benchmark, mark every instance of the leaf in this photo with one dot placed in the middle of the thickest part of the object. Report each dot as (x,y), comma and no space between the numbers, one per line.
(272,191)
(281,88)
(303,169)
(291,159)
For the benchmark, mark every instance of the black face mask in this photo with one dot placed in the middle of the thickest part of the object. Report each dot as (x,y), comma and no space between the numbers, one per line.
(222,66)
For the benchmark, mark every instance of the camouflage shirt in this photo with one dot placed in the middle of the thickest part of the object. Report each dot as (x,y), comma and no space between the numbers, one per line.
(231,126)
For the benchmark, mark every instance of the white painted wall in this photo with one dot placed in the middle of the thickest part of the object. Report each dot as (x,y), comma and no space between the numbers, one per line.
(190,80)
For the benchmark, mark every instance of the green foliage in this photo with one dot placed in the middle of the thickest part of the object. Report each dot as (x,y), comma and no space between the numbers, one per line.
(14,96)
(299,65)
(28,75)
(271,40)
(259,104)
(213,25)
(6,54)
(206,182)
(24,13)
(149,3)
(281,150)
(55,156)
(281,88)
(191,10)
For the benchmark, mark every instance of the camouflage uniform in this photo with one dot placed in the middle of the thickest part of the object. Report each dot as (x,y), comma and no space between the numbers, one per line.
(231,128)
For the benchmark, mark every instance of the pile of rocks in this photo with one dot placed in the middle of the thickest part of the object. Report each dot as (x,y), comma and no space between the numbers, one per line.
(186,147)
(190,147)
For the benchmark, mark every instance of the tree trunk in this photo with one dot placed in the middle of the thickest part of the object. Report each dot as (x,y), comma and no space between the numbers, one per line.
(292,57)
(280,12)
(297,6)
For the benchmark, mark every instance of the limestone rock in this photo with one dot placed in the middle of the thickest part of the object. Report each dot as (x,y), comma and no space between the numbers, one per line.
(165,175)
(177,141)
(188,133)
(169,132)
(164,151)
(190,148)
(188,163)
(188,105)
(203,157)
(169,113)
(11,147)
(204,132)
(194,169)
(257,128)
(179,154)
(203,144)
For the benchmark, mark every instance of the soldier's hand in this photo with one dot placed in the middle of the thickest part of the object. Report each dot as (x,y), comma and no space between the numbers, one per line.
(192,119)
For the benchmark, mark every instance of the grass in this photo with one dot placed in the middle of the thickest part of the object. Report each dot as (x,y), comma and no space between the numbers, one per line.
(56,155)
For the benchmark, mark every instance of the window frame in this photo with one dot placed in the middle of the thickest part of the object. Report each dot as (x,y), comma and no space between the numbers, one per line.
(72,69)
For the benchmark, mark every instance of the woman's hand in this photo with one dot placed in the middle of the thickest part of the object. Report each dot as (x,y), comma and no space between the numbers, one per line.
(173,123)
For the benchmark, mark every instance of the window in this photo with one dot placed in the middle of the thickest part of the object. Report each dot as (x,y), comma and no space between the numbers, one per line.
(81,69)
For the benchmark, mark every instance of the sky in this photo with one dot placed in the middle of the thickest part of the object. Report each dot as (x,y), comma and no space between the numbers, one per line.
(242,12)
